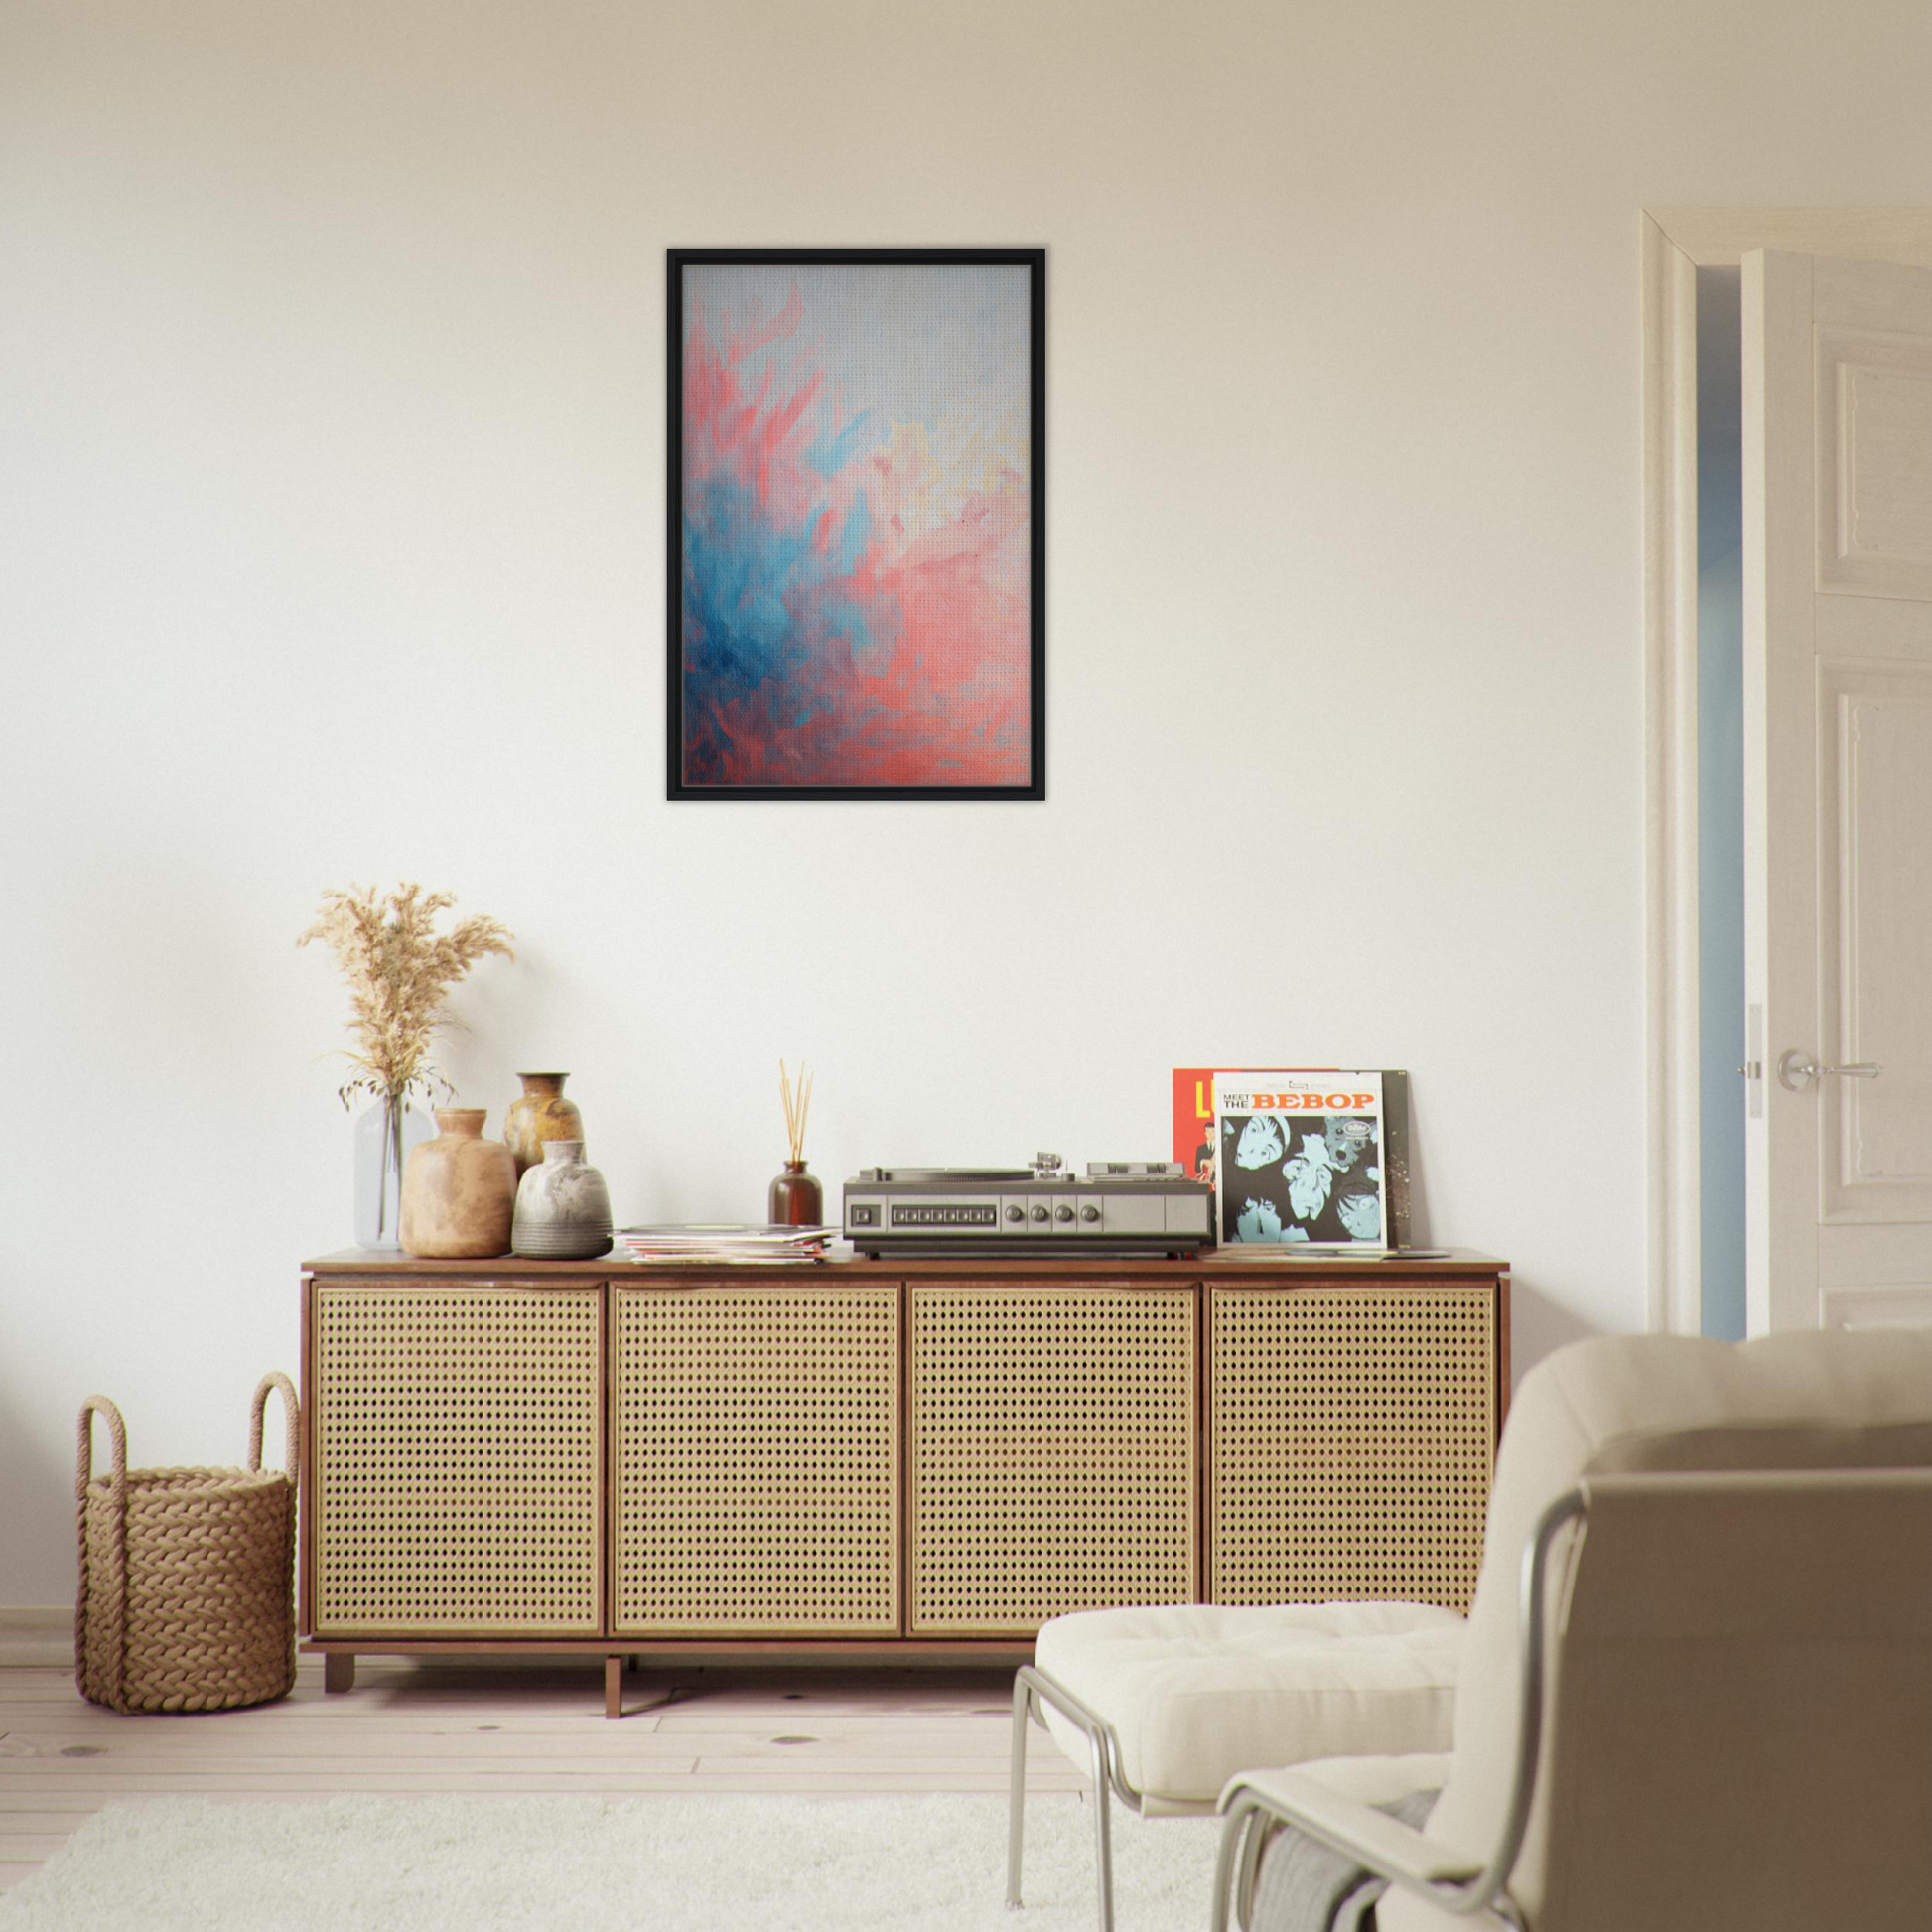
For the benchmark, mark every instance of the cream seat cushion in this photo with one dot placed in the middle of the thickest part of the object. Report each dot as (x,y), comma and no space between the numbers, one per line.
(1379,1780)
(1197,1692)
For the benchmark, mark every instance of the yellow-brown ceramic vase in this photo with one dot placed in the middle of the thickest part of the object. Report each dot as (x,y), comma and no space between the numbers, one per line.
(459,1191)
(540,1114)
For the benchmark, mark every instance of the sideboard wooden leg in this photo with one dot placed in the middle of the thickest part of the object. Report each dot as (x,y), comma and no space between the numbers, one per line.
(614,1687)
(339,1670)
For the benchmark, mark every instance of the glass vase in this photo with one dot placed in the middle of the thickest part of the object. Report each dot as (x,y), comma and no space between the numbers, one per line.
(384,1135)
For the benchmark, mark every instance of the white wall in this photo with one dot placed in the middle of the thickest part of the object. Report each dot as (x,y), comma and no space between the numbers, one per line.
(332,421)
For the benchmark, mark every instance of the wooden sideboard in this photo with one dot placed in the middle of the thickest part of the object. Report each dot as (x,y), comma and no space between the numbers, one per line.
(882,1459)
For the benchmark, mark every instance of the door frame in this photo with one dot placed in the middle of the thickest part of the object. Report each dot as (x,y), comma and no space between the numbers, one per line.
(1675,243)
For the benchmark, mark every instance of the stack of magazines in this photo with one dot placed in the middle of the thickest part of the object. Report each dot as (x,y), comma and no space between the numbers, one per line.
(707,1242)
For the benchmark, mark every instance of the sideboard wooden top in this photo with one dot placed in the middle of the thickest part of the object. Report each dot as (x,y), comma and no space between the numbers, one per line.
(1221,1265)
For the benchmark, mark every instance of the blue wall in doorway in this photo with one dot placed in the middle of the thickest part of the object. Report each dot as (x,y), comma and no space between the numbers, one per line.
(1720,800)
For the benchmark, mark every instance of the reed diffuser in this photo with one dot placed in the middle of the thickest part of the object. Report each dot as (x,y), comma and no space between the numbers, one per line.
(795,1200)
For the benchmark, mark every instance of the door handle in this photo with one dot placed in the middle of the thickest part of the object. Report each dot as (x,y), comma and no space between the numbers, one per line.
(1797,1070)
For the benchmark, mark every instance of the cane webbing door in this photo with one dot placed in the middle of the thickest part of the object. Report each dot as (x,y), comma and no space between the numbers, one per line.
(1052,1442)
(755,1452)
(456,1459)
(1350,1441)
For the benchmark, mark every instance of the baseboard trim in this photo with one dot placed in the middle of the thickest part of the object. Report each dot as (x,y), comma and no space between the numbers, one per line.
(39,1635)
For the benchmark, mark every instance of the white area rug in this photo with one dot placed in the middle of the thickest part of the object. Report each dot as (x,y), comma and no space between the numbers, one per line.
(765,1864)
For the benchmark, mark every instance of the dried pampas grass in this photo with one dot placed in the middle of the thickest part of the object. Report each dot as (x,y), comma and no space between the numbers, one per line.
(398,969)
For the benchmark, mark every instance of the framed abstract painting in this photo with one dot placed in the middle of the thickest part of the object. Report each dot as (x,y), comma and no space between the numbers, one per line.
(856,546)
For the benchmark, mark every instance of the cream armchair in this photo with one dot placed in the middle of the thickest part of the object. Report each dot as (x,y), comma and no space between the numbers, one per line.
(1695,1691)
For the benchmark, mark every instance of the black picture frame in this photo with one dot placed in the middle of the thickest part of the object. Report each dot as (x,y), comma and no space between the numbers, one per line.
(692,732)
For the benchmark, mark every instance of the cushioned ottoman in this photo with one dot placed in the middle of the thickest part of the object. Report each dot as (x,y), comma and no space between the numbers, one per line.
(1197,1692)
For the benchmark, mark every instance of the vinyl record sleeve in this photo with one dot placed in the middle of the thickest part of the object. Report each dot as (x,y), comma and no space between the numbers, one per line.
(1196,1148)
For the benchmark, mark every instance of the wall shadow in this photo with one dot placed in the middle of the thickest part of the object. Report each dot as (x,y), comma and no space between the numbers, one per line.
(36,1511)
(1538,1325)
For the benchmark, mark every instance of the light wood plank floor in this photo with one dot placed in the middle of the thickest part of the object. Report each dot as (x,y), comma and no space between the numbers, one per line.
(509,1728)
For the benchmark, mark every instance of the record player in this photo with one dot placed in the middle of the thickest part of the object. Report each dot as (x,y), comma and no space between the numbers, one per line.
(1125,1208)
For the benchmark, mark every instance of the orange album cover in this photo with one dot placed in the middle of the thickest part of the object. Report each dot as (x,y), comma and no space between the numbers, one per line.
(1193,1112)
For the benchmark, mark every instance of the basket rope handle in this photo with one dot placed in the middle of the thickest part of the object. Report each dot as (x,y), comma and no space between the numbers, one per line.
(113,1586)
(117,1434)
(292,1411)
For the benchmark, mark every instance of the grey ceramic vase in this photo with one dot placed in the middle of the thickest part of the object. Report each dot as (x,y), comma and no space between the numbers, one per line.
(563,1208)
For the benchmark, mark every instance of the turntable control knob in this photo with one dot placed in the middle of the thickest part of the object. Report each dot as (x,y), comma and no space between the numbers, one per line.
(1039,1214)
(1015,1213)
(1064,1213)
(1089,1212)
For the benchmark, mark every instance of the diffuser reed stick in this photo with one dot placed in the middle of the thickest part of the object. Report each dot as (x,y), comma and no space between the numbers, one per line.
(798,1105)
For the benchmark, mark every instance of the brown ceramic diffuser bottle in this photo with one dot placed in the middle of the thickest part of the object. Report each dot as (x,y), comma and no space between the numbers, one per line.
(795,1199)
(459,1191)
(539,1114)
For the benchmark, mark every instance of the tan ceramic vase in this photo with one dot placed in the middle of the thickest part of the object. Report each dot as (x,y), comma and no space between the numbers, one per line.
(459,1191)
(540,1114)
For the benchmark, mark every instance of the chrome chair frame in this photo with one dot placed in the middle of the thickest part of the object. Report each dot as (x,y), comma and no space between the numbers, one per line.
(1252,1816)
(1031,1689)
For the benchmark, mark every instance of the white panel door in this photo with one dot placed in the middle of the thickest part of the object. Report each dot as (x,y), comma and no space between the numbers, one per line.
(1838,777)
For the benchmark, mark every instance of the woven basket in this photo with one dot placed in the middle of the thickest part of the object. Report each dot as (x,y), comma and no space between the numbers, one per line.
(187,1598)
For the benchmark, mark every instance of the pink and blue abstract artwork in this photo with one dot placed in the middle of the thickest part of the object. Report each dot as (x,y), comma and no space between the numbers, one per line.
(855,529)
